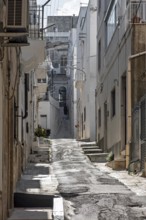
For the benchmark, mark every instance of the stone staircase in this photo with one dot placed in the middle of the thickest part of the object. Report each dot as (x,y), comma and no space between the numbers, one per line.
(36,196)
(93,152)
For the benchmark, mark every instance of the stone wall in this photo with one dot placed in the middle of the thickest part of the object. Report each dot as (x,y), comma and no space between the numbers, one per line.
(138,65)
(11,163)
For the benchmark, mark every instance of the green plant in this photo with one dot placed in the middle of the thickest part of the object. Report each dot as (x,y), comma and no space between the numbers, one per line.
(110,156)
(40,132)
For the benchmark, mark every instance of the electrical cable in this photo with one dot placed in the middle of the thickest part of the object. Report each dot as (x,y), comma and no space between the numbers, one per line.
(17,74)
(16,77)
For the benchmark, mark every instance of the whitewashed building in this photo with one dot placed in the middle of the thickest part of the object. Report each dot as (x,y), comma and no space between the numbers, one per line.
(121,37)
(71,74)
(86,71)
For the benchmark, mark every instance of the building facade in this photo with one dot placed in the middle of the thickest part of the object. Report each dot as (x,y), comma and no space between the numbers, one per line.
(120,86)
(71,74)
(13,35)
(86,71)
(18,62)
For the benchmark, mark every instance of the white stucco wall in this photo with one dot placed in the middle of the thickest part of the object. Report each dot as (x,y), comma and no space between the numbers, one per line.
(33,55)
(86,61)
(44,109)
(92,11)
(80,75)
(114,60)
(55,119)
(72,91)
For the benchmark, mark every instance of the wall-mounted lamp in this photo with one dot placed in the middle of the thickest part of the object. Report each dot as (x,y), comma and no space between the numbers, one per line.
(116,82)
(73,67)
(93,8)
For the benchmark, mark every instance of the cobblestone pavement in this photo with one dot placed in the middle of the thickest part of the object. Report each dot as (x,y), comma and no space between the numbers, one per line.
(94,191)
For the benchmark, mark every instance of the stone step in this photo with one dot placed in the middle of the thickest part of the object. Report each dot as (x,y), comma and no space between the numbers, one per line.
(88,151)
(28,200)
(40,157)
(31,214)
(58,209)
(88,144)
(90,147)
(97,157)
(84,140)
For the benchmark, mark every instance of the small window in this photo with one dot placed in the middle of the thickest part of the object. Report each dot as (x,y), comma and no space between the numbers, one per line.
(39,80)
(99,117)
(44,80)
(63,60)
(113,102)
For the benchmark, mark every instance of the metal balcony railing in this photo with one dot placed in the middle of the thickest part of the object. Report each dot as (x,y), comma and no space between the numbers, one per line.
(136,12)
(35,21)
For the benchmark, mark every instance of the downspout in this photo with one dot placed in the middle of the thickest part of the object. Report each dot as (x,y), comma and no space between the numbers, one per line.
(129,107)
(26,98)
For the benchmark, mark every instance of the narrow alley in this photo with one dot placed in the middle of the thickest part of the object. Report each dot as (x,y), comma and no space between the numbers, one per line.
(72,109)
(90,191)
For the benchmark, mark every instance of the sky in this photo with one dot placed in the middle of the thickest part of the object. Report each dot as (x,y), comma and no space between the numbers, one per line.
(63,7)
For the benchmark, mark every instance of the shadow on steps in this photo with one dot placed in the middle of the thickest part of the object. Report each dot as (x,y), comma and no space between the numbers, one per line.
(27,200)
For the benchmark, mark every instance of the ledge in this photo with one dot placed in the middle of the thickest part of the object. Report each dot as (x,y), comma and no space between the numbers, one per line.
(11,34)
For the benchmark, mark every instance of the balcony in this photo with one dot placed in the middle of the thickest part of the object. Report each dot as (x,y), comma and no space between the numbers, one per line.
(136,12)
(35,21)
(80,79)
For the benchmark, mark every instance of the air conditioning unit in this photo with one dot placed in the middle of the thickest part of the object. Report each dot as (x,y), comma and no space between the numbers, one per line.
(16,16)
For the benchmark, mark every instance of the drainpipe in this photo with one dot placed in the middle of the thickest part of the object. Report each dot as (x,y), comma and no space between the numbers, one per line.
(26,96)
(129,107)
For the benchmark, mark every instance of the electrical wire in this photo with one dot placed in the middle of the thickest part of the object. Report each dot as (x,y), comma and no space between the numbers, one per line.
(17,73)
(16,77)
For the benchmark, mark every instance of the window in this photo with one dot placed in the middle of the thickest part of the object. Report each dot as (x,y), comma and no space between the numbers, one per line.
(112,21)
(39,80)
(63,60)
(99,54)
(99,117)
(113,102)
(44,80)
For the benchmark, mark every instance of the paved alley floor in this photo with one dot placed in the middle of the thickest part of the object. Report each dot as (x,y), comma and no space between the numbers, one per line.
(90,191)
(94,191)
